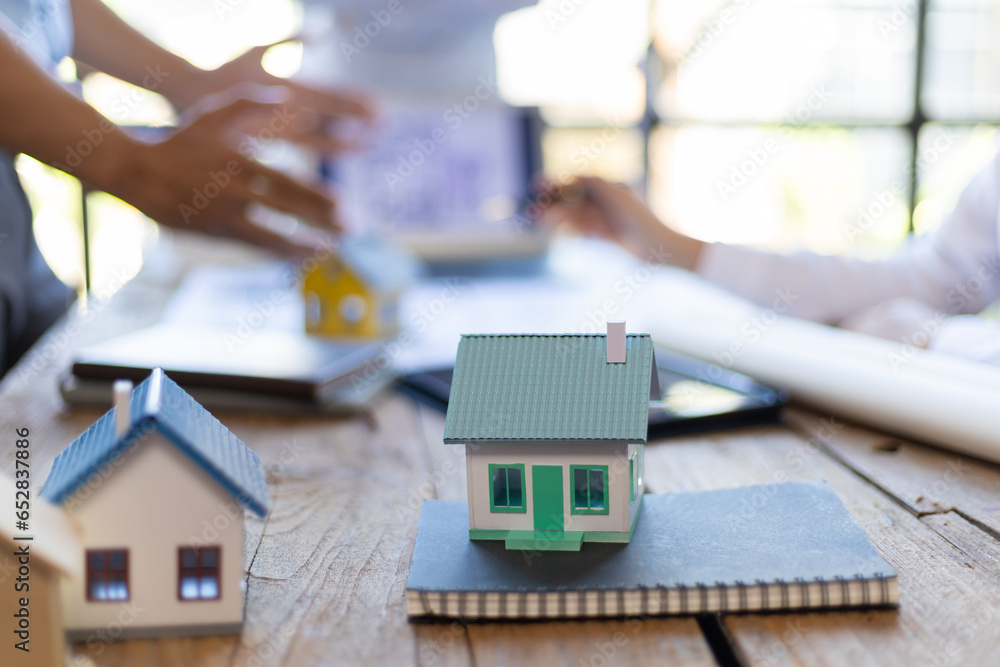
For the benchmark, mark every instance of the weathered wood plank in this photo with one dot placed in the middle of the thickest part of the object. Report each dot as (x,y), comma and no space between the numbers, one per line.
(654,641)
(328,578)
(981,549)
(941,595)
(201,651)
(927,479)
(448,472)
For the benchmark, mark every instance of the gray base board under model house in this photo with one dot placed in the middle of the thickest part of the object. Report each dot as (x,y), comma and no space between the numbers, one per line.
(778,546)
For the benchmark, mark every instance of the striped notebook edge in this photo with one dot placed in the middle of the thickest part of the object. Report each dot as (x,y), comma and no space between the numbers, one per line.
(840,592)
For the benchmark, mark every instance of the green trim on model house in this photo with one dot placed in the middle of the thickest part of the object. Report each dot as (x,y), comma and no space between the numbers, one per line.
(552,540)
(573,509)
(508,508)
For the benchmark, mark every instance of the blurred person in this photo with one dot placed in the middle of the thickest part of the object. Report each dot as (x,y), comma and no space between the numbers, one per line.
(927,293)
(218,108)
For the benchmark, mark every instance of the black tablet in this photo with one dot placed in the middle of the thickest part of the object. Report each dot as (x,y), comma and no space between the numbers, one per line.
(697,396)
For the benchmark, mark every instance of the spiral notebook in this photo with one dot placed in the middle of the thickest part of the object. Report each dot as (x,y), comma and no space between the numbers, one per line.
(774,547)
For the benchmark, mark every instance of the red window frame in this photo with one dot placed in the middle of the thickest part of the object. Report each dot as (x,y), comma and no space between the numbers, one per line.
(199,571)
(106,574)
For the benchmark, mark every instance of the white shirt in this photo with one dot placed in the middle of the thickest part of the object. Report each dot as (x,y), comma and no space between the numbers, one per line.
(953,271)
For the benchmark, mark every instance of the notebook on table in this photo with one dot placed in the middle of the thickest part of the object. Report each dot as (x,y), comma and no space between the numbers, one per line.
(774,547)
(270,370)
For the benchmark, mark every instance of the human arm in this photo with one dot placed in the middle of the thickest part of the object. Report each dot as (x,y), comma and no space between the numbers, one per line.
(107,43)
(612,211)
(42,119)
(953,270)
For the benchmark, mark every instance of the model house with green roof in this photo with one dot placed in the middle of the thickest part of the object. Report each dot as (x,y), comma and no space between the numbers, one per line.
(554,427)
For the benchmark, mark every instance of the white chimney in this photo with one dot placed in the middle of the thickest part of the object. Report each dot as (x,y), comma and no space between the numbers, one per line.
(123,396)
(616,342)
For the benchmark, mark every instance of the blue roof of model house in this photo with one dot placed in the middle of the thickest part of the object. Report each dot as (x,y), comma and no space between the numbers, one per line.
(159,403)
(529,388)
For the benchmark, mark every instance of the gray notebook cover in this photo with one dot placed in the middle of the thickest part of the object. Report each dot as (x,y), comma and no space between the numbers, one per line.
(785,542)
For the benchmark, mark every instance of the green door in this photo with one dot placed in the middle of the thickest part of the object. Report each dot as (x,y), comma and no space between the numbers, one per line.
(547,497)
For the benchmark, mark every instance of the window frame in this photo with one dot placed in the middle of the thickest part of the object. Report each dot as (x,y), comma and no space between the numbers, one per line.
(573,509)
(200,570)
(633,464)
(90,573)
(524,490)
(657,69)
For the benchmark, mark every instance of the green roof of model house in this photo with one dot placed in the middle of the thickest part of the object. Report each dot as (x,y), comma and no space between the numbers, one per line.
(522,388)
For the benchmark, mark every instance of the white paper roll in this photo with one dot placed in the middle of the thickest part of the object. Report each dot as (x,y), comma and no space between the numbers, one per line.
(923,395)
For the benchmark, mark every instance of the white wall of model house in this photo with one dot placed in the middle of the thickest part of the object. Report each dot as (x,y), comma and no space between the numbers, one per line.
(153,500)
(621,510)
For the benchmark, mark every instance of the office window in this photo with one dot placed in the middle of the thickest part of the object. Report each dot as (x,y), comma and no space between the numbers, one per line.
(794,125)
(827,125)
(107,575)
(590,489)
(199,573)
(507,488)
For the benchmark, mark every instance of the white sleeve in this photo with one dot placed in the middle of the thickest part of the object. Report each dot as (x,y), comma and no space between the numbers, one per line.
(953,269)
(971,337)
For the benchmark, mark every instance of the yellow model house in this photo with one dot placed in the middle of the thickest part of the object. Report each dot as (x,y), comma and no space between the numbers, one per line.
(32,564)
(355,294)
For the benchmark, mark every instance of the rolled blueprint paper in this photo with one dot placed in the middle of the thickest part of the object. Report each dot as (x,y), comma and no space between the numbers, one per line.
(928,396)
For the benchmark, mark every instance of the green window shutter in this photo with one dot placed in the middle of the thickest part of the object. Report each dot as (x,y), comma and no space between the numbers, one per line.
(631,478)
(507,487)
(590,489)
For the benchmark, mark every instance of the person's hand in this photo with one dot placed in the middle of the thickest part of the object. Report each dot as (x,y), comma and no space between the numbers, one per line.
(197,179)
(596,207)
(310,108)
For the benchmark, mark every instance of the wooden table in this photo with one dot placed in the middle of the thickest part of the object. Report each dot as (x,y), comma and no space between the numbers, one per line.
(328,566)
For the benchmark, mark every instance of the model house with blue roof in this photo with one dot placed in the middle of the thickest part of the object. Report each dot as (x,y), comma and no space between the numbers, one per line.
(554,428)
(158,489)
